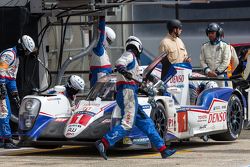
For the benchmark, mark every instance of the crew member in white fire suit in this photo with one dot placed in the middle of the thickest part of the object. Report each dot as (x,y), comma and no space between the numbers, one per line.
(126,98)
(70,89)
(99,60)
(215,55)
(9,62)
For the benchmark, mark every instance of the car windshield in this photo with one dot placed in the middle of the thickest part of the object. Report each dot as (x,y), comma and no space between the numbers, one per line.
(105,89)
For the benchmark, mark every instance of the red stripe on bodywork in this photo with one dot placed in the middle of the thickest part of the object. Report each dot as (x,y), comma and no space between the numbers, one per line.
(85,119)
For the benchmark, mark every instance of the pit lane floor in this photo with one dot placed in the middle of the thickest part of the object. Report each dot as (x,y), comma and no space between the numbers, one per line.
(195,153)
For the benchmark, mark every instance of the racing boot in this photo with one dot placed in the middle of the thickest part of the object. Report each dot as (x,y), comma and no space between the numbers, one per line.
(9,144)
(101,148)
(167,153)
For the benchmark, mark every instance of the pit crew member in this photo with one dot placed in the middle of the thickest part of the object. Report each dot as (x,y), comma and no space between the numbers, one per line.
(215,55)
(173,45)
(71,88)
(9,62)
(126,98)
(99,60)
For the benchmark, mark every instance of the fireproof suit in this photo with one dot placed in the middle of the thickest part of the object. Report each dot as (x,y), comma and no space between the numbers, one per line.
(216,57)
(9,63)
(99,60)
(127,100)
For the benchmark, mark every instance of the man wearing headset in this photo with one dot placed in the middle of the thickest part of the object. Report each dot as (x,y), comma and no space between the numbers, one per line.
(215,54)
(132,113)
(9,62)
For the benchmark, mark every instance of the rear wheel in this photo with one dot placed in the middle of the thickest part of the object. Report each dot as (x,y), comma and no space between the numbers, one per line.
(234,120)
(158,115)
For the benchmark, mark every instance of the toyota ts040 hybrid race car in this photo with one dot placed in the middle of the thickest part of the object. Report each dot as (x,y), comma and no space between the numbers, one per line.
(47,121)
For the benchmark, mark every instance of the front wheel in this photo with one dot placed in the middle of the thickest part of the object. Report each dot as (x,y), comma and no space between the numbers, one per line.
(234,120)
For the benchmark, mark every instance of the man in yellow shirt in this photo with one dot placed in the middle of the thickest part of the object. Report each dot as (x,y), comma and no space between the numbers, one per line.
(173,45)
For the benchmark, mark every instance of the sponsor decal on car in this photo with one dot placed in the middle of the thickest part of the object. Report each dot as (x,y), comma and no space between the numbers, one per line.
(170,123)
(61,119)
(82,119)
(106,121)
(69,134)
(127,140)
(141,141)
(145,106)
(202,118)
(51,99)
(203,127)
(92,104)
(177,79)
(85,112)
(217,117)
(72,129)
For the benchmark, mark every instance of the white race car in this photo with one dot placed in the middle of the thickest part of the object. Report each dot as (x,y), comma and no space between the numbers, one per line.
(47,120)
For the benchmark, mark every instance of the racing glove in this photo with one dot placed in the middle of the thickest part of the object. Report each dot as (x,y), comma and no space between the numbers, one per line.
(16,98)
(125,73)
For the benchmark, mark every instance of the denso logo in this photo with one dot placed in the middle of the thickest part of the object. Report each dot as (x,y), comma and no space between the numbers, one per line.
(178,78)
(217,117)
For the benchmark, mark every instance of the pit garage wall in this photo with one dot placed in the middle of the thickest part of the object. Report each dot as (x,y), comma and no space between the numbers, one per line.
(15,21)
(193,33)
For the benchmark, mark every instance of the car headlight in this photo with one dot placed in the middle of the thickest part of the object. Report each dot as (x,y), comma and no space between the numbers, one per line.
(28,112)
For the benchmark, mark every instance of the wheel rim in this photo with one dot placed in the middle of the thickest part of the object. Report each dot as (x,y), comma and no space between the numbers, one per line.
(235,116)
(160,121)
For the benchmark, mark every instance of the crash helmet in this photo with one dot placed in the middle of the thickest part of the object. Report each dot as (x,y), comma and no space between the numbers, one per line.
(27,43)
(110,35)
(214,27)
(174,23)
(75,84)
(211,84)
(134,42)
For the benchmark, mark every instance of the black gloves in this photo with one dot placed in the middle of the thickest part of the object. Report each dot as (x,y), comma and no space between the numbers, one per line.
(16,98)
(125,73)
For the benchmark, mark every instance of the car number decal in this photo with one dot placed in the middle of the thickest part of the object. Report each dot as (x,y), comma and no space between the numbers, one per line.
(82,119)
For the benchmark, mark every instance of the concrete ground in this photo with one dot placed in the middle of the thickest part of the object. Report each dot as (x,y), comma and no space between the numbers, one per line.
(195,153)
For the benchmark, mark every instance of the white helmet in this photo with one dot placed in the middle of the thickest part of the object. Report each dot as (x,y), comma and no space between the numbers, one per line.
(76,82)
(211,84)
(27,43)
(110,35)
(132,40)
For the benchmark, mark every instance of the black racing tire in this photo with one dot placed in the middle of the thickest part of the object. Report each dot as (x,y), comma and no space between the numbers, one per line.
(159,117)
(234,121)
